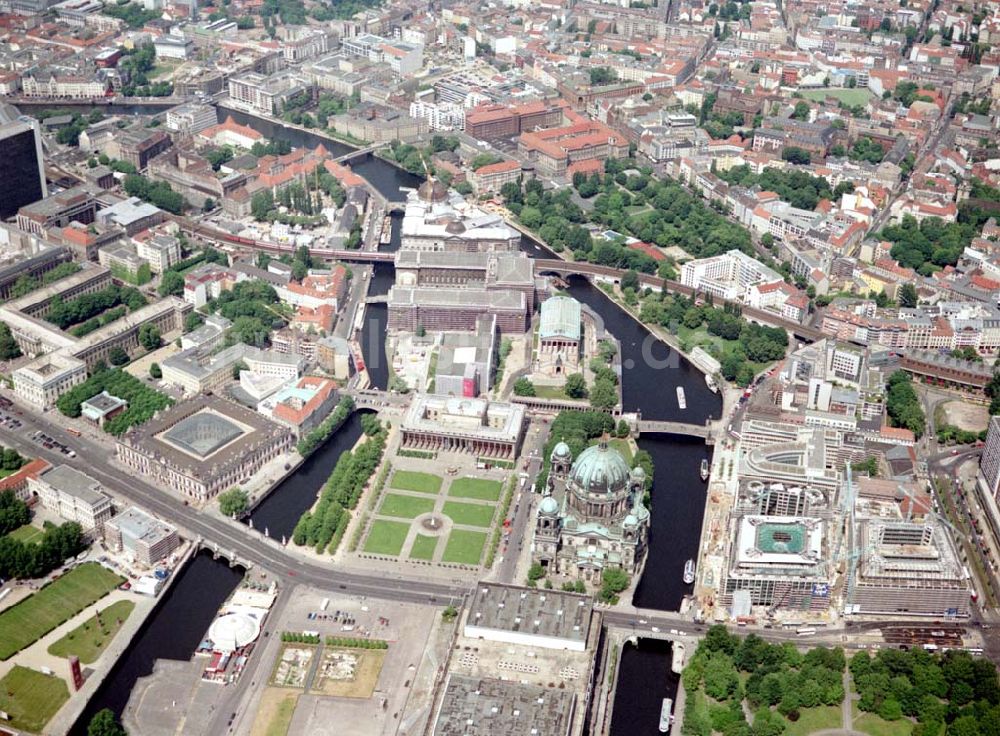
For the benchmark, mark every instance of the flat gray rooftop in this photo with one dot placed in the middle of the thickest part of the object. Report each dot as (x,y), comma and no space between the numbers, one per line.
(549,613)
(484,707)
(74,483)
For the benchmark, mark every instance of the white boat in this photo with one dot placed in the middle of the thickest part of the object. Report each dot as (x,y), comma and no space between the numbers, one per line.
(689,572)
(666,715)
(710,382)
(704,469)
(680,398)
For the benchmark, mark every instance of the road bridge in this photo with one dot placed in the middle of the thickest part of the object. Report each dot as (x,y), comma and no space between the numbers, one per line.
(646,426)
(359,153)
(370,398)
(563,269)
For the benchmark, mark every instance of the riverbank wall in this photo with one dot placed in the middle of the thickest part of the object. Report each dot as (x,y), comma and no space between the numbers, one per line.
(63,721)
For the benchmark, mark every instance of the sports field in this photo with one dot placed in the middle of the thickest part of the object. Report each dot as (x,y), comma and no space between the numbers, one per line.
(386,537)
(31,698)
(38,614)
(409,480)
(477,488)
(405,507)
(464,547)
(468,514)
(90,638)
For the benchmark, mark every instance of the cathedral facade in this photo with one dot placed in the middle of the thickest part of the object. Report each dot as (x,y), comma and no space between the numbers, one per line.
(592,517)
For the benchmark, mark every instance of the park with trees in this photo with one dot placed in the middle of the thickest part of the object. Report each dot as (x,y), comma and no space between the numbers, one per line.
(781,689)
(143,402)
(658,211)
(87,307)
(742,348)
(252,306)
(323,526)
(903,405)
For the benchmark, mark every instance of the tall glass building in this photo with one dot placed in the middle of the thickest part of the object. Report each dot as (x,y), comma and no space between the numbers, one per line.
(23,170)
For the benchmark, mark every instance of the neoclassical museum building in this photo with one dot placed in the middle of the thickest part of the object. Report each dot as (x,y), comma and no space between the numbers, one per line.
(592,516)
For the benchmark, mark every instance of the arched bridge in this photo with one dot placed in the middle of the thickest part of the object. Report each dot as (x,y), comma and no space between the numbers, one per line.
(567,268)
(215,235)
(646,426)
(358,153)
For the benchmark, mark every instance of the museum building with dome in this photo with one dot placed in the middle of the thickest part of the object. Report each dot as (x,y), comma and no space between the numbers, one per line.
(592,517)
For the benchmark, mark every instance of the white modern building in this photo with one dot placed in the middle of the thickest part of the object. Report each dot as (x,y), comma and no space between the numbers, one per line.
(439,116)
(191,117)
(159,251)
(173,47)
(728,276)
(989,463)
(145,539)
(403,58)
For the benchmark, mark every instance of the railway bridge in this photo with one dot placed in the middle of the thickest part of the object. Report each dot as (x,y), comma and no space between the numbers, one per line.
(564,269)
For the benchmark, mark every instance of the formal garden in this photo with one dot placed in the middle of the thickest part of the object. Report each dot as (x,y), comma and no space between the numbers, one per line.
(428,518)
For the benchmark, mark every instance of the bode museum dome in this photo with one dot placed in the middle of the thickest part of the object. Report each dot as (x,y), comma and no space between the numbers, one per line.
(592,516)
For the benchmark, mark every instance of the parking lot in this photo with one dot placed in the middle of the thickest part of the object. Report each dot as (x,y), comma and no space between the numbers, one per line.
(51,444)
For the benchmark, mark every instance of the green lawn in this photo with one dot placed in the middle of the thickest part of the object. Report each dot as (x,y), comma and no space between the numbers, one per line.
(31,698)
(27,533)
(386,537)
(477,488)
(847,96)
(815,719)
(712,344)
(469,514)
(465,547)
(551,392)
(89,639)
(423,547)
(872,723)
(409,480)
(405,507)
(38,614)
(621,445)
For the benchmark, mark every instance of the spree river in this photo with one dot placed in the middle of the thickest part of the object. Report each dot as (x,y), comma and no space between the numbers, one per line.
(651,373)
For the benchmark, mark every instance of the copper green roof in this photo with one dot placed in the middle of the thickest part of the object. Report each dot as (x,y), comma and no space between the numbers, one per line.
(560,318)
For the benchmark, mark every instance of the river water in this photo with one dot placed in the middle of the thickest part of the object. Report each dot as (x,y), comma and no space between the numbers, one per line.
(173,631)
(651,374)
(644,680)
(278,514)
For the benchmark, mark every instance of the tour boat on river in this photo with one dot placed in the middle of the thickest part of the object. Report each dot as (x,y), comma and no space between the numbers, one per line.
(666,716)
